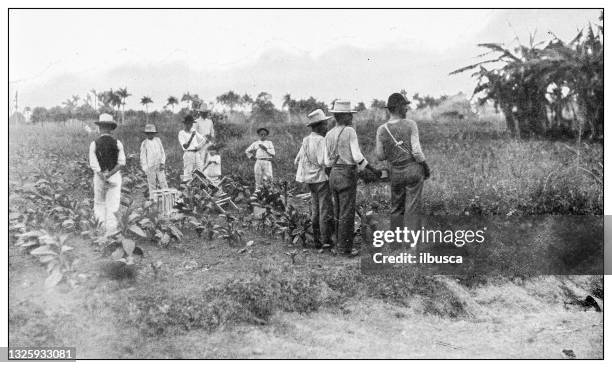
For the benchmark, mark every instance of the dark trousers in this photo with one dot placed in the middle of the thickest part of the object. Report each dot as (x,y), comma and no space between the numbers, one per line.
(321,212)
(343,185)
(406,191)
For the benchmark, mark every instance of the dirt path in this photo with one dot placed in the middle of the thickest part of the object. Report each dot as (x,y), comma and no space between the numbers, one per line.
(505,320)
(374,329)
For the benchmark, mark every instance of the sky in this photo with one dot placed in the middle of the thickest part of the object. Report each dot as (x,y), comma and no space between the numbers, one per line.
(353,54)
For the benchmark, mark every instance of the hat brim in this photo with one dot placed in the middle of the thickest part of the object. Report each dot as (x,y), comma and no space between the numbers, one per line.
(148,131)
(340,112)
(319,121)
(260,129)
(107,123)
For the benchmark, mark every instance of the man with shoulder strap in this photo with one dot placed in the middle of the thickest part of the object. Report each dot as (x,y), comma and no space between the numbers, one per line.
(397,142)
(345,159)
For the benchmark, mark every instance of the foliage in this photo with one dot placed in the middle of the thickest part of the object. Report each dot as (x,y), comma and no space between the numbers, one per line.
(51,251)
(530,79)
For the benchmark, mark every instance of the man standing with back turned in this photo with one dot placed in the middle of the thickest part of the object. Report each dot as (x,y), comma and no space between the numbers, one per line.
(397,142)
(346,159)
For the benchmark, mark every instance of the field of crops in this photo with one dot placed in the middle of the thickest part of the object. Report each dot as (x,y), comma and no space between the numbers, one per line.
(236,286)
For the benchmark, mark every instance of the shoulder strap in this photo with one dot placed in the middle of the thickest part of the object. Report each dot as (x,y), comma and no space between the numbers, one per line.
(398,144)
(337,156)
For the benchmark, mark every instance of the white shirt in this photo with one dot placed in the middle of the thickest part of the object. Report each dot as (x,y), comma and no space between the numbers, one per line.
(152,153)
(259,152)
(204,127)
(342,142)
(214,166)
(312,160)
(196,143)
(93,159)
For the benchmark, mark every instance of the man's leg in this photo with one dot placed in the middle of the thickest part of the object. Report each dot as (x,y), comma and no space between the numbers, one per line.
(314,214)
(398,196)
(113,201)
(258,174)
(99,200)
(161,179)
(188,165)
(151,181)
(325,212)
(346,220)
(412,215)
(268,170)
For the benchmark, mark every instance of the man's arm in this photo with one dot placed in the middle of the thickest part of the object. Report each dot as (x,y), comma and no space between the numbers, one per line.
(355,150)
(163,152)
(415,143)
(380,152)
(93,160)
(270,149)
(143,156)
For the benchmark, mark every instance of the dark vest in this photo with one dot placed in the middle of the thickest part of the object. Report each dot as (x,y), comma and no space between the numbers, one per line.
(107,152)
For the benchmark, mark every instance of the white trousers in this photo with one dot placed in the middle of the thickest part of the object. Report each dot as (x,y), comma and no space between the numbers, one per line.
(156,179)
(191,161)
(263,172)
(107,199)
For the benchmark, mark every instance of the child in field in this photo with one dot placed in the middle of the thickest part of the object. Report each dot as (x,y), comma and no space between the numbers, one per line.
(106,158)
(212,168)
(153,159)
(192,142)
(262,151)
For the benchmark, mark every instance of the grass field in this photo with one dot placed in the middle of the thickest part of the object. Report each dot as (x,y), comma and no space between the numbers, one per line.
(203,298)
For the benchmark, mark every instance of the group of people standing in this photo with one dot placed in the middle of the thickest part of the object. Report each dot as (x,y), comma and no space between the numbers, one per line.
(327,161)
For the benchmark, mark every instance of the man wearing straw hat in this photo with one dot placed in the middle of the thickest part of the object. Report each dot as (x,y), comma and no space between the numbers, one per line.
(312,161)
(346,159)
(204,126)
(397,142)
(192,142)
(153,159)
(106,158)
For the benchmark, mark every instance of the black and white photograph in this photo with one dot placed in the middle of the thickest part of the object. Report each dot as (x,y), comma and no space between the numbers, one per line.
(304,183)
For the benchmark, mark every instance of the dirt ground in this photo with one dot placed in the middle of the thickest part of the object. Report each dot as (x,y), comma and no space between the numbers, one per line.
(528,319)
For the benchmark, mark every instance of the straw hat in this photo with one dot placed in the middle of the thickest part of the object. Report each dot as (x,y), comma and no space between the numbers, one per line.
(203,107)
(342,106)
(317,116)
(262,128)
(150,128)
(107,120)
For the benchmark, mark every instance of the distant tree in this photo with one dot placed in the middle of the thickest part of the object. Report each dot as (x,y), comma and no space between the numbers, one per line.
(171,101)
(39,114)
(378,104)
(123,94)
(145,101)
(360,106)
(230,99)
(246,99)
(264,109)
(187,99)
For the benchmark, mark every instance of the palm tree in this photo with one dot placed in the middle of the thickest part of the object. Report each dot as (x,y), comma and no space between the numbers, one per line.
(146,100)
(95,98)
(172,101)
(123,95)
(187,98)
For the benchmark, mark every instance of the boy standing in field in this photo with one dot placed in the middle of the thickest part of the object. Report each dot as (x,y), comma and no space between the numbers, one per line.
(212,168)
(153,159)
(312,161)
(191,141)
(262,151)
(205,127)
(106,158)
